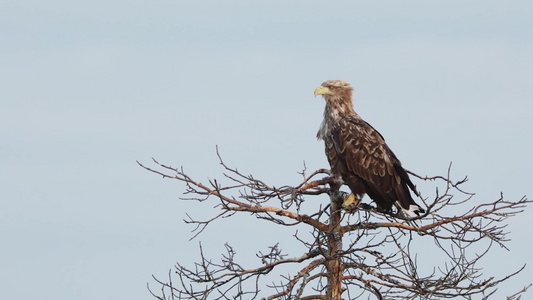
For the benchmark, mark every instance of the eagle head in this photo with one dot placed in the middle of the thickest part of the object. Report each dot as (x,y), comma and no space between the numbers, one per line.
(337,93)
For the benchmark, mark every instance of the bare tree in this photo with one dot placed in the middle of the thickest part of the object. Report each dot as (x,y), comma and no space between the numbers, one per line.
(349,254)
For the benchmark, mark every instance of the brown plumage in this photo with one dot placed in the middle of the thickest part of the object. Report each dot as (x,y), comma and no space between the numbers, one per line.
(359,155)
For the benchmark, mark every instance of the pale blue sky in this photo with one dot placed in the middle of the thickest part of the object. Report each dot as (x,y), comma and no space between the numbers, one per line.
(86,89)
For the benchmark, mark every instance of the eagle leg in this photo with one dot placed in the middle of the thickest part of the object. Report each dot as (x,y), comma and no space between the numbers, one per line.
(350,203)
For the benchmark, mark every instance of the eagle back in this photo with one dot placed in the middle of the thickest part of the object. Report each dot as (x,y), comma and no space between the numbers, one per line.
(355,147)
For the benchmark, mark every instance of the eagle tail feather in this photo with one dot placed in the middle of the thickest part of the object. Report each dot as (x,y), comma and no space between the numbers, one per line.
(413,211)
(406,203)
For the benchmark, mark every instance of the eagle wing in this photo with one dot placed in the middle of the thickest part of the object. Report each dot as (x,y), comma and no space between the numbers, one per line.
(358,149)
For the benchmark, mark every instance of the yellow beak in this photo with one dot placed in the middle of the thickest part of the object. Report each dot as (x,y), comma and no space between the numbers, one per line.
(322,91)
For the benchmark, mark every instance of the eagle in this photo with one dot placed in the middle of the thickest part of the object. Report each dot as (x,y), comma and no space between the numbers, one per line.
(358,154)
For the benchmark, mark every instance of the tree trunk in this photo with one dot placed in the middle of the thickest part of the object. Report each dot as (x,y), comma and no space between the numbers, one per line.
(334,265)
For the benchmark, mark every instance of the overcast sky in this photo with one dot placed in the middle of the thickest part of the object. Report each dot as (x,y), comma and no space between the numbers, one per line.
(87,88)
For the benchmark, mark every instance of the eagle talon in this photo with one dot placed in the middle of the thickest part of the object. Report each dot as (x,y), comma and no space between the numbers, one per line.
(351,203)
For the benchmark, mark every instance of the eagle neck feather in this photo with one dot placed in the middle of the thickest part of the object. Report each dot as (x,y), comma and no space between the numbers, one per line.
(336,109)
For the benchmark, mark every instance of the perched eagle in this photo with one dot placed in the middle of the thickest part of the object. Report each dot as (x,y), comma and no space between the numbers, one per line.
(358,154)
